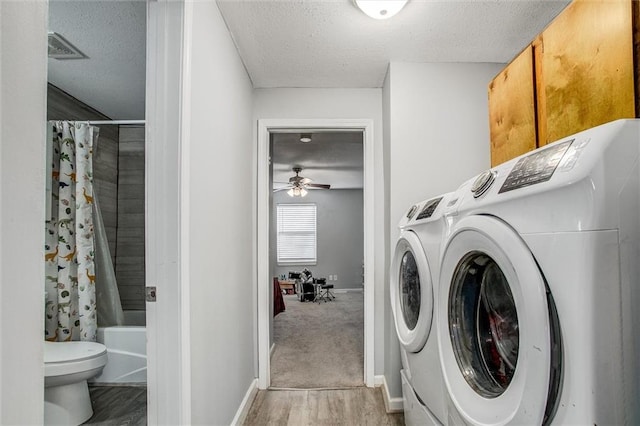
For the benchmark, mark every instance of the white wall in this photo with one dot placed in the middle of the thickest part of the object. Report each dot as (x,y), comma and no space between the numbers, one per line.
(23,83)
(436,116)
(340,104)
(439,129)
(220,253)
(340,235)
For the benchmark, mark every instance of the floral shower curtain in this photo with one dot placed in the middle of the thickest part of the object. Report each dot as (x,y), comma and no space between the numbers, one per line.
(70,312)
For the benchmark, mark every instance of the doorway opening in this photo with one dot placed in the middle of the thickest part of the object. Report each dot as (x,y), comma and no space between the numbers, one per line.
(316,259)
(111,36)
(268,268)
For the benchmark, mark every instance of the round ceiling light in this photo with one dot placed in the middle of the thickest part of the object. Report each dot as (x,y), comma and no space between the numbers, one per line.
(380,9)
(305,137)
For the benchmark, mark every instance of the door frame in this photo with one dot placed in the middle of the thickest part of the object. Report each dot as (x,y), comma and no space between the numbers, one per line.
(168,79)
(263,280)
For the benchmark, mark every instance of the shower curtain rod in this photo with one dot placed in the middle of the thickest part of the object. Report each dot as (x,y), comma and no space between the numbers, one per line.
(106,122)
(117,122)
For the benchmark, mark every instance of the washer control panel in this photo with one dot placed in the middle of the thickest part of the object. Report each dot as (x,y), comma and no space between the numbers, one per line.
(535,168)
(429,208)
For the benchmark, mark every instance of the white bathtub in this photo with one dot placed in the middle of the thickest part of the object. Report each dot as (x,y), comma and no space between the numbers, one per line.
(126,351)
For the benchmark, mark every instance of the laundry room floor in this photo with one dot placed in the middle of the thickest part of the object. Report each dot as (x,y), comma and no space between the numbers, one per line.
(352,406)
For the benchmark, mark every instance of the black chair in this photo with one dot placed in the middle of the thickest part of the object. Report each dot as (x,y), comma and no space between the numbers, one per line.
(323,290)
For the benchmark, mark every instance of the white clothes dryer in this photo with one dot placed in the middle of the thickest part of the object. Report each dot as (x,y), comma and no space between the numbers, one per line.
(414,272)
(540,286)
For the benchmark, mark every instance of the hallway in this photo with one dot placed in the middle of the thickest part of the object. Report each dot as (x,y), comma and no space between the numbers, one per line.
(361,405)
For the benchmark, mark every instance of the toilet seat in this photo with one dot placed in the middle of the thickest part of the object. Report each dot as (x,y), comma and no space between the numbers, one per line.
(64,358)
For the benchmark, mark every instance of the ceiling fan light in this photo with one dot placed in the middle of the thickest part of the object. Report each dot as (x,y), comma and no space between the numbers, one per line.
(305,137)
(290,193)
(303,192)
(380,9)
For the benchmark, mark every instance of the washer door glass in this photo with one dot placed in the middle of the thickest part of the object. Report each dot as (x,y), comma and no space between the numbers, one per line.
(409,283)
(483,324)
(494,327)
(411,291)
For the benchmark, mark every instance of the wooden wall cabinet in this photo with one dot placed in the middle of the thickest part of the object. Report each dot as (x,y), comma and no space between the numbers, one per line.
(582,75)
(512,109)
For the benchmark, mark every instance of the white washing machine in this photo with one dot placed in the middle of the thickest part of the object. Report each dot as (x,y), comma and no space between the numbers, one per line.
(414,272)
(539,291)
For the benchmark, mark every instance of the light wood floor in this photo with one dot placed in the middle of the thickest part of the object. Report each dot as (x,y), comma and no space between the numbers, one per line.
(118,405)
(355,406)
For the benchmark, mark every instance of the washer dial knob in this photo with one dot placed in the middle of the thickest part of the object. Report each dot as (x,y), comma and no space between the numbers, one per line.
(412,211)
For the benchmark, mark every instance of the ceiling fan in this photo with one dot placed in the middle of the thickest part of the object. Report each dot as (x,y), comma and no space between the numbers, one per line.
(298,185)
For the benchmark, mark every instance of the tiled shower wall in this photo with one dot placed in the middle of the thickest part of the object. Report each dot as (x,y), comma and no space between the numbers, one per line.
(130,235)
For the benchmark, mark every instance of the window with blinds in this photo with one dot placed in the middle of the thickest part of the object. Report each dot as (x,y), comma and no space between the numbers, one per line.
(296,233)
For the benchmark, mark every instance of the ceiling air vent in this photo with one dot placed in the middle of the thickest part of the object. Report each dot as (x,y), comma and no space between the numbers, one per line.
(59,48)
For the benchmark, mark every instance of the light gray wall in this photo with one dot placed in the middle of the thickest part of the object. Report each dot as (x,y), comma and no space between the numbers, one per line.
(218,207)
(23,111)
(131,230)
(437,131)
(339,233)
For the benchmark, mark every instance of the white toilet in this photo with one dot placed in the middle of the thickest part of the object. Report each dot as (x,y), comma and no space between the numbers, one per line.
(67,366)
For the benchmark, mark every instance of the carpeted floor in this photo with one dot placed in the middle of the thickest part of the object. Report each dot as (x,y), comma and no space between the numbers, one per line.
(319,345)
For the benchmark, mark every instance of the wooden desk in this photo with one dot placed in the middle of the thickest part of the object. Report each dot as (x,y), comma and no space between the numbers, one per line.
(288,286)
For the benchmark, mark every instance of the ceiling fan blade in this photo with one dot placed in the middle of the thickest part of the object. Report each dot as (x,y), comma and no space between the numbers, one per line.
(318,186)
(285,188)
(305,181)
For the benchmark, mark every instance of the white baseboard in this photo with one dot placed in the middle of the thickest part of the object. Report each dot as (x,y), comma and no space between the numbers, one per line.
(392,405)
(378,381)
(347,290)
(245,405)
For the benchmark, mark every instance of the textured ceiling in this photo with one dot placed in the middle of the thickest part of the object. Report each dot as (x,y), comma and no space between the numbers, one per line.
(295,43)
(330,43)
(112,34)
(292,43)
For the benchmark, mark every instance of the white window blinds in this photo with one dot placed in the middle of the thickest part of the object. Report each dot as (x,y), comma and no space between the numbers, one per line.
(296,233)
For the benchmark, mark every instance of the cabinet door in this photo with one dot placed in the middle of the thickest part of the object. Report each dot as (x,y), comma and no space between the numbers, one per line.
(512,110)
(587,68)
